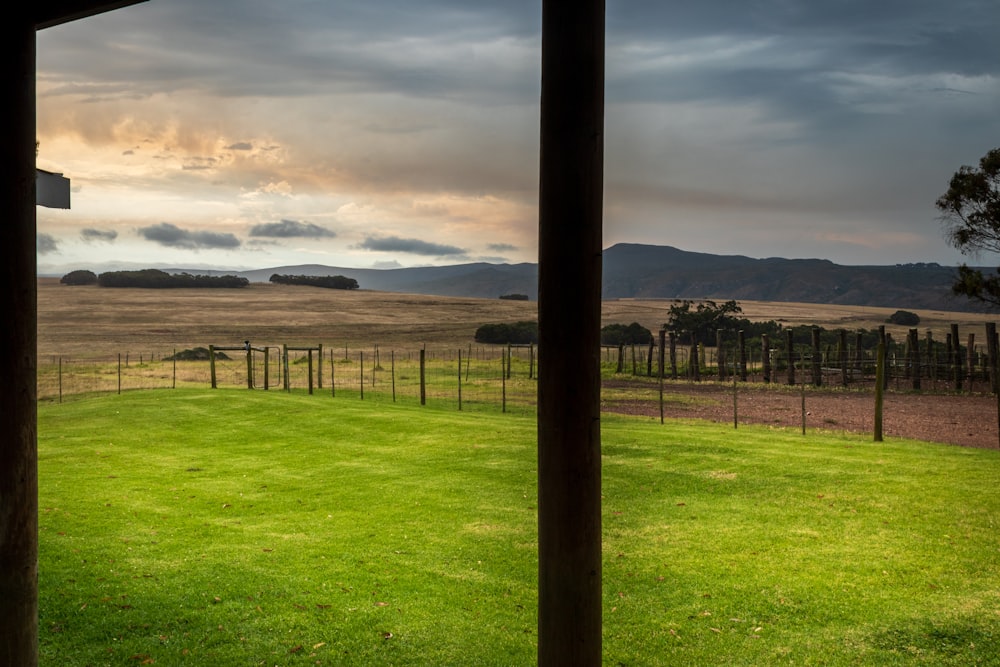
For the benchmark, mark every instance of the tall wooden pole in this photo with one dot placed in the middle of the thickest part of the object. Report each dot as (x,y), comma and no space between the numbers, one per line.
(569,317)
(18,337)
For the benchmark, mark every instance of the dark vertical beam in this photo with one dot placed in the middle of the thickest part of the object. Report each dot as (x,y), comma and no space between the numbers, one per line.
(18,337)
(569,315)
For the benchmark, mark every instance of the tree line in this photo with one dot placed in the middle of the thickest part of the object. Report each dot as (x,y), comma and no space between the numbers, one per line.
(151,278)
(331,282)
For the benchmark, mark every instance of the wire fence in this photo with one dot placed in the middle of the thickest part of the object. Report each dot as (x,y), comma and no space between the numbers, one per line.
(484,377)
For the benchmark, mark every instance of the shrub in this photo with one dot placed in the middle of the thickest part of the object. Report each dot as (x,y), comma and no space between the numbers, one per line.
(904,318)
(515,297)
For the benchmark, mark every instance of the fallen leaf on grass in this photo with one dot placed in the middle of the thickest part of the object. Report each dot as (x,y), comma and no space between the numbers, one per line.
(295,649)
(381,604)
(715,630)
(316,646)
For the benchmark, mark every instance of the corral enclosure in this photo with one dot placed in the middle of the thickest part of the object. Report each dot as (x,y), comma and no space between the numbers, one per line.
(82,321)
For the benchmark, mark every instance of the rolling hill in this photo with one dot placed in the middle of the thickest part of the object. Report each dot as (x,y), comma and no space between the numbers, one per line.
(635,271)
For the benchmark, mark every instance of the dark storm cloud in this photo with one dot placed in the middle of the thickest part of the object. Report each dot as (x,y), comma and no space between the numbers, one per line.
(411,246)
(172,236)
(501,247)
(107,236)
(287,229)
(45,244)
(240,146)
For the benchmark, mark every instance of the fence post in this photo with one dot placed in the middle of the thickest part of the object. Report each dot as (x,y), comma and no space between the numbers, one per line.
(249,366)
(879,388)
(333,376)
(790,347)
(991,351)
(392,372)
(211,365)
(842,334)
(765,357)
(660,367)
(459,379)
(817,365)
(914,345)
(267,367)
(693,366)
(361,378)
(956,359)
(970,353)
(284,366)
(319,366)
(119,372)
(742,342)
(60,379)
(423,379)
(503,381)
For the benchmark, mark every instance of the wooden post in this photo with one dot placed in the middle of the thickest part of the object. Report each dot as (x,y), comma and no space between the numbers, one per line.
(765,356)
(173,383)
(790,347)
(956,359)
(621,358)
(991,352)
(211,366)
(879,389)
(18,340)
(914,345)
(817,362)
(842,354)
(693,368)
(673,355)
(250,366)
(720,355)
(649,359)
(319,366)
(970,353)
(392,371)
(333,376)
(119,373)
(660,368)
(284,365)
(503,381)
(423,377)
(60,379)
(361,377)
(459,379)
(741,341)
(267,367)
(569,317)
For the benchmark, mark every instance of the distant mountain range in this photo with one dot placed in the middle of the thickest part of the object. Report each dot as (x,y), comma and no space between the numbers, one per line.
(646,271)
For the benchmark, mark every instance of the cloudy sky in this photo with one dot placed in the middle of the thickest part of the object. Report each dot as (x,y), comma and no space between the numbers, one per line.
(253,134)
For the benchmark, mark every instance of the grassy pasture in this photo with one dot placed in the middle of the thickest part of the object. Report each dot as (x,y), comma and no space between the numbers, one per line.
(88,321)
(192,527)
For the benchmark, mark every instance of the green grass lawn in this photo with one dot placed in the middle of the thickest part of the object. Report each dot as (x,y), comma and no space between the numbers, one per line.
(228,527)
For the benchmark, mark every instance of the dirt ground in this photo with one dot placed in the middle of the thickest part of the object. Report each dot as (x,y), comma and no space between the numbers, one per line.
(956,419)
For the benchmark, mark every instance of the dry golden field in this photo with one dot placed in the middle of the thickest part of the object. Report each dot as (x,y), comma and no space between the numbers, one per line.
(94,321)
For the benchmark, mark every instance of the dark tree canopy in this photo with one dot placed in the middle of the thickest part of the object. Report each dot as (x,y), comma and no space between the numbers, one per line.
(970,211)
(620,334)
(330,282)
(79,277)
(517,333)
(157,279)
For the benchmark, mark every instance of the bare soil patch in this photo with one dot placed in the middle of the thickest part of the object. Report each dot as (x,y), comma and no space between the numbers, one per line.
(957,419)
